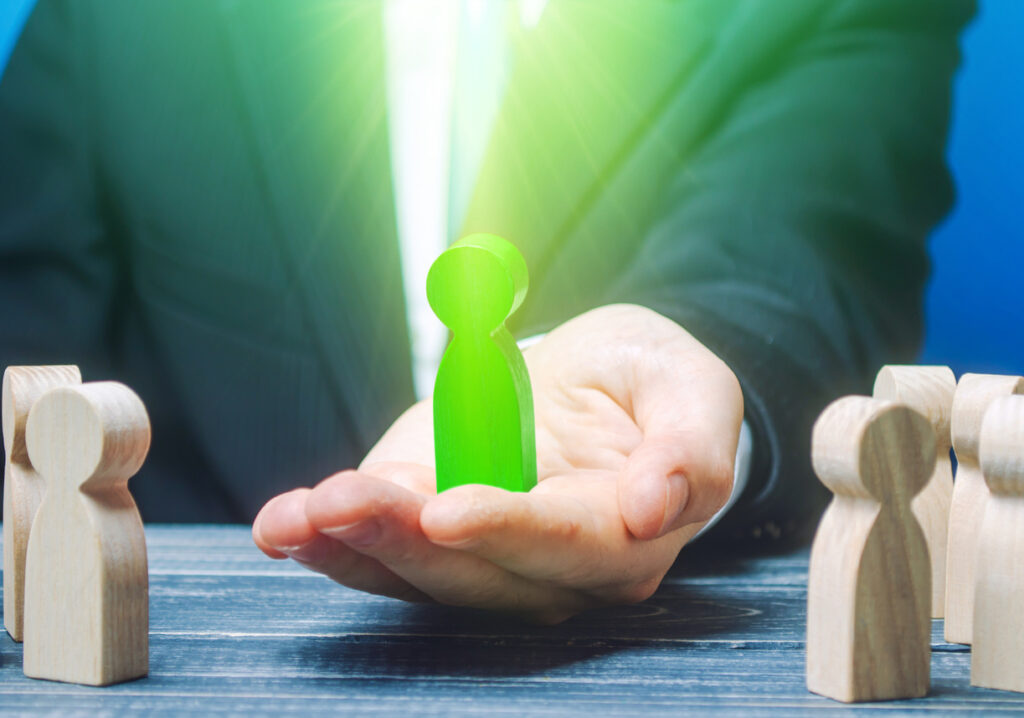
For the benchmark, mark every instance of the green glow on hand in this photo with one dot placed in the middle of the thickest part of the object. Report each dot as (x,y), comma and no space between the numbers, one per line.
(483,404)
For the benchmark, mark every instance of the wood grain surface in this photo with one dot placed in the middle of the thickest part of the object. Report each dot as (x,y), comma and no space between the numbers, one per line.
(869,593)
(974,394)
(232,632)
(929,390)
(23,487)
(999,581)
(86,594)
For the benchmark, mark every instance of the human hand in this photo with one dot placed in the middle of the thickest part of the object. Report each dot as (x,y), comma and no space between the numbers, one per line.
(637,425)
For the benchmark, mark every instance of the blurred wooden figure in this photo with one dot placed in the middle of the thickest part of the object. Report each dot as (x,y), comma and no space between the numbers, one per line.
(869,587)
(86,582)
(996,656)
(974,394)
(928,390)
(23,488)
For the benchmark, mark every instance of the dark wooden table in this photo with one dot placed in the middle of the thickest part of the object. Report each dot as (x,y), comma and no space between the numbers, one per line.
(234,632)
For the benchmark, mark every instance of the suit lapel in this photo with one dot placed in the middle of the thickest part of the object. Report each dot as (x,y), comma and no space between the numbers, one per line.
(312,81)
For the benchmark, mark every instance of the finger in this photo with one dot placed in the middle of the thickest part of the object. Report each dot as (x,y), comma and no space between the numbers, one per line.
(281,530)
(350,568)
(672,480)
(382,520)
(689,407)
(282,524)
(543,536)
(413,477)
(682,471)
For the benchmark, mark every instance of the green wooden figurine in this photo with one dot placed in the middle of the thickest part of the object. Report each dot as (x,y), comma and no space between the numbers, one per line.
(483,404)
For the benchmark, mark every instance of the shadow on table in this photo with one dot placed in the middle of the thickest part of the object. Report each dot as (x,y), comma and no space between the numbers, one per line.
(439,641)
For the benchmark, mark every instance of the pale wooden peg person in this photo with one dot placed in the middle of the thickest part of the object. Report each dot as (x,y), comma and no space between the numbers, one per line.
(87,583)
(929,391)
(23,489)
(997,655)
(974,394)
(869,587)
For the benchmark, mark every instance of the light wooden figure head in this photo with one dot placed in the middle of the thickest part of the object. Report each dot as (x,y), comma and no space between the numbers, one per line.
(22,386)
(871,448)
(14,435)
(927,390)
(90,437)
(1001,446)
(974,394)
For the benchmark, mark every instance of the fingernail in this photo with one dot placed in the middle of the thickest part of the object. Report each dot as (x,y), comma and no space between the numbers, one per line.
(677,492)
(308,552)
(462,544)
(360,534)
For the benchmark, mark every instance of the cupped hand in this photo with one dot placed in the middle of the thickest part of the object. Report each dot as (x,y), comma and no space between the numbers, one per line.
(637,425)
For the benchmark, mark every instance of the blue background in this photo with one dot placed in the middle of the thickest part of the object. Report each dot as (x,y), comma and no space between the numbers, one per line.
(975,303)
(976,298)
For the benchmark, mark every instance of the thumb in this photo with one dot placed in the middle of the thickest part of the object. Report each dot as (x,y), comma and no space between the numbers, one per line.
(689,406)
(671,480)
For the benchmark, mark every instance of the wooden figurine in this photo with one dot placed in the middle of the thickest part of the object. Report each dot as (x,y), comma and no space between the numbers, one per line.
(929,391)
(86,580)
(23,489)
(483,404)
(974,394)
(869,588)
(997,655)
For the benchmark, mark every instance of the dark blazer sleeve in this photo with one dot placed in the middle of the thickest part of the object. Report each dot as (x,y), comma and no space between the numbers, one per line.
(58,274)
(792,242)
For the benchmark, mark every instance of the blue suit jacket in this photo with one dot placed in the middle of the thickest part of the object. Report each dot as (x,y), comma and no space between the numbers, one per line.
(195,199)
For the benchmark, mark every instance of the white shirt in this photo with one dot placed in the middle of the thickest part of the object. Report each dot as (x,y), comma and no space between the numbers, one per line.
(447,68)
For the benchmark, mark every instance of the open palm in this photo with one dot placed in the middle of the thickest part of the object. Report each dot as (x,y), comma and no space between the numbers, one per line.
(637,425)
